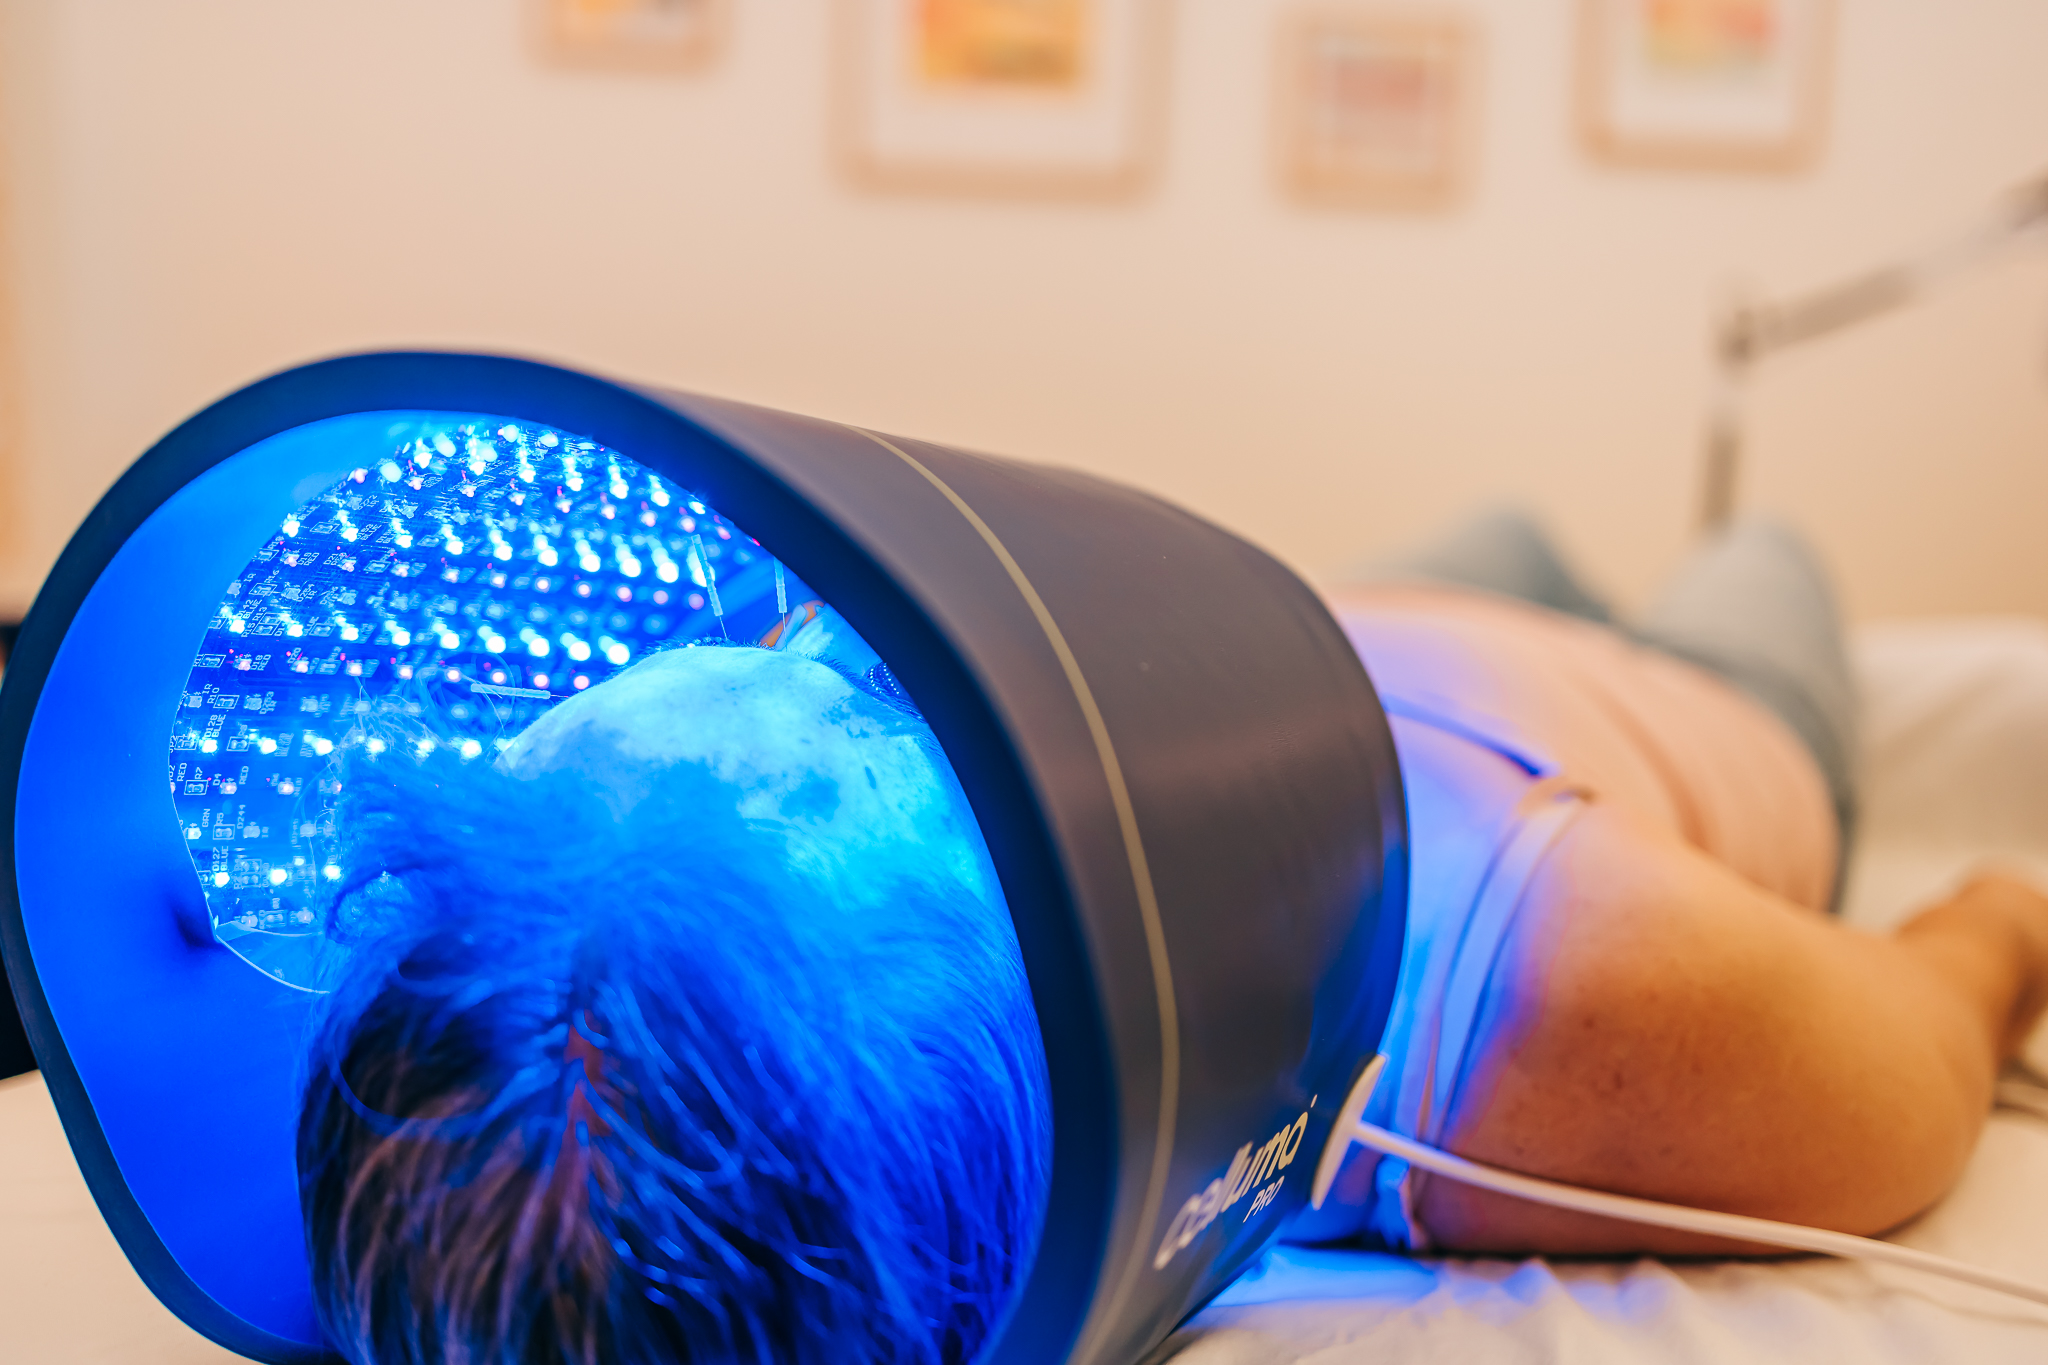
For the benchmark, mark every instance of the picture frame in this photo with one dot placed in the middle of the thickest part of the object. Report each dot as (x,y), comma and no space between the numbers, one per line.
(1376,107)
(1056,98)
(631,35)
(1739,85)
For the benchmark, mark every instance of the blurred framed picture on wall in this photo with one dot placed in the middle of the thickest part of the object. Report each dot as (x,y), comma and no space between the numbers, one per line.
(647,35)
(1375,107)
(1716,84)
(1053,97)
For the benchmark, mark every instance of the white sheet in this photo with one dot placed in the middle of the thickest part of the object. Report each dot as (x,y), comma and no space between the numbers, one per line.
(1957,743)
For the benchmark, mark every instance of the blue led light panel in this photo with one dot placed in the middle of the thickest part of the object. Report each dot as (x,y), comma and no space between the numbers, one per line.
(448,595)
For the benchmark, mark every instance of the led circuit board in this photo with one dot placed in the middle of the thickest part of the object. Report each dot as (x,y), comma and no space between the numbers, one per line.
(448,593)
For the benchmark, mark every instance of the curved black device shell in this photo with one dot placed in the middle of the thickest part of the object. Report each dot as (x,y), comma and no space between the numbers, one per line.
(1182,771)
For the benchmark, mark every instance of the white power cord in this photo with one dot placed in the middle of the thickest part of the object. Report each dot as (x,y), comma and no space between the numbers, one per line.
(1735,1227)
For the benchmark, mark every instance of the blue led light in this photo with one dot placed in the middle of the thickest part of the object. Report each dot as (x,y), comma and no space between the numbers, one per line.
(447,593)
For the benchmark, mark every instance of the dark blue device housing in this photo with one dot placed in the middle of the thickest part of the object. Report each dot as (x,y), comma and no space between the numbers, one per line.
(1182,772)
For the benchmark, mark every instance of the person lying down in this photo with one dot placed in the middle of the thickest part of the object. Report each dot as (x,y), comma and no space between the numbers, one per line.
(697,1030)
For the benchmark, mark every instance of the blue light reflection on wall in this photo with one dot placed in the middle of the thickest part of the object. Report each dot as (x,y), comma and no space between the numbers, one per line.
(448,594)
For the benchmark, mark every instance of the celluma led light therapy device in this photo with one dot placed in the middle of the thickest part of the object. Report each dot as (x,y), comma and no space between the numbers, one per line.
(1184,782)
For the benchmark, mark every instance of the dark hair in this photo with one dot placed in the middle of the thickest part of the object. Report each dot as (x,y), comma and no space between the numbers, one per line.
(625,1089)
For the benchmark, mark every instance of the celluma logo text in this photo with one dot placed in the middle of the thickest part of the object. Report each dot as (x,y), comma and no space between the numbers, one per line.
(1247,1170)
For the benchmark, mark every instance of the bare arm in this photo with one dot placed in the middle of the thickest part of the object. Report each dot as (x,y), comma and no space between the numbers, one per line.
(1664,1028)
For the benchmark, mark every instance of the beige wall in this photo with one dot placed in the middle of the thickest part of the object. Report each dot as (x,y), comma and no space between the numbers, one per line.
(208,190)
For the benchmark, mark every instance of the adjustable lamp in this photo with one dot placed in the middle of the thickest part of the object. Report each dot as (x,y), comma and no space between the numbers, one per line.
(1748,334)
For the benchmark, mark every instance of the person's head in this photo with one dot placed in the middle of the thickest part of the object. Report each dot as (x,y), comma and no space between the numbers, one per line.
(693,1030)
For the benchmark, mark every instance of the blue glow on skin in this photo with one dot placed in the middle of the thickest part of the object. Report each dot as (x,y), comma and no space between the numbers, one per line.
(859,791)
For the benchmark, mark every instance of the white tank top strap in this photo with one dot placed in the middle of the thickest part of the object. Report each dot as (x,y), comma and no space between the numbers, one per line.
(1451,989)
(1542,816)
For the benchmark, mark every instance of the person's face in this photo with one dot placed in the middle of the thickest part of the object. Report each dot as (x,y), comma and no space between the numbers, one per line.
(856,788)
